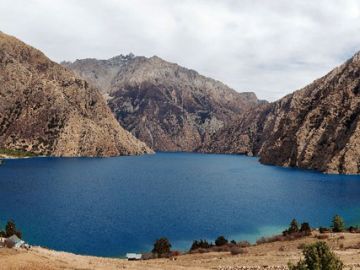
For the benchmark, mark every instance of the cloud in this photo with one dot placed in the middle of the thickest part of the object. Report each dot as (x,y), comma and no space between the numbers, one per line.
(269,47)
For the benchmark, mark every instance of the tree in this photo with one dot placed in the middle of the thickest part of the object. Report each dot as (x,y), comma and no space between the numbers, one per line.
(199,244)
(338,224)
(305,228)
(293,228)
(162,246)
(318,256)
(10,229)
(221,241)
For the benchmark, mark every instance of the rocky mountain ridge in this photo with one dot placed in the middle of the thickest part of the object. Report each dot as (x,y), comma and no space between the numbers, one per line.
(317,127)
(169,107)
(48,110)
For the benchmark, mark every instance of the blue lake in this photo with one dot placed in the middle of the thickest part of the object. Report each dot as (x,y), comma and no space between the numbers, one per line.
(110,206)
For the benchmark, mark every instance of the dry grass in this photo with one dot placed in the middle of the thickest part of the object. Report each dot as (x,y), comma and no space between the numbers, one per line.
(275,254)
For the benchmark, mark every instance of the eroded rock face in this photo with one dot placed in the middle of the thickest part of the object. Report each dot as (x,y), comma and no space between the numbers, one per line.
(169,107)
(46,109)
(316,127)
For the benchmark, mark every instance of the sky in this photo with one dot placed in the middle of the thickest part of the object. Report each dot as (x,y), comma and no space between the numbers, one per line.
(270,47)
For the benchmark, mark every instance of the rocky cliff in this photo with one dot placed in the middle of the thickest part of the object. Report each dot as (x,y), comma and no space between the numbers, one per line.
(169,107)
(46,109)
(317,127)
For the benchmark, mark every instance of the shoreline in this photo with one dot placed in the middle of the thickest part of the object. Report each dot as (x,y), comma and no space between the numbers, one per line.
(274,255)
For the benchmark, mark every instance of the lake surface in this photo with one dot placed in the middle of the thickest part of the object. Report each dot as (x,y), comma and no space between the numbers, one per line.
(110,206)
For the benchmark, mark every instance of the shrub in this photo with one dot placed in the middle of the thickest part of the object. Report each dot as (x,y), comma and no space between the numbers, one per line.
(202,250)
(223,248)
(318,256)
(238,250)
(10,229)
(221,241)
(233,242)
(275,238)
(353,229)
(199,244)
(338,224)
(243,244)
(162,246)
(175,253)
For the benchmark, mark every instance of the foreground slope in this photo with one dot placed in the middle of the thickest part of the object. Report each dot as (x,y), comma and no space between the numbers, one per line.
(47,110)
(274,255)
(317,127)
(169,107)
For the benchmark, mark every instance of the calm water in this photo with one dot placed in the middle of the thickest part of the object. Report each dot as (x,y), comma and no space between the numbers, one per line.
(116,205)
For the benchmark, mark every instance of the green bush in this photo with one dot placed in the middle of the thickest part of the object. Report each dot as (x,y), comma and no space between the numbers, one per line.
(162,246)
(221,241)
(338,224)
(318,256)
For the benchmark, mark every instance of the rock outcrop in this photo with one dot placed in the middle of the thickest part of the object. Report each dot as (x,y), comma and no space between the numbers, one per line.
(169,107)
(48,110)
(317,127)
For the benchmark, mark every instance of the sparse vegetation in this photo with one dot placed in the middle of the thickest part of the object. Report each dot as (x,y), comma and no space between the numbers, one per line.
(294,229)
(353,229)
(305,228)
(162,247)
(243,244)
(338,224)
(324,230)
(221,245)
(16,153)
(318,256)
(199,244)
(221,241)
(10,230)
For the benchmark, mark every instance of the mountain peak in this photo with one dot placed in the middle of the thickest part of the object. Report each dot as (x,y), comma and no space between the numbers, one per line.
(48,110)
(170,107)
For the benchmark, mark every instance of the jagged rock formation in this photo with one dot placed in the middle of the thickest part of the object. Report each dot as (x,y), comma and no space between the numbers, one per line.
(47,110)
(169,107)
(317,127)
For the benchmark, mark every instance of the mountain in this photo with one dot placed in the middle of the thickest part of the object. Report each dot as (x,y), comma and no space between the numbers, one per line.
(169,107)
(48,110)
(317,127)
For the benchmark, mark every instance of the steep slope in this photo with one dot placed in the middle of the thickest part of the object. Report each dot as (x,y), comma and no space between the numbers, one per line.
(317,127)
(169,107)
(47,110)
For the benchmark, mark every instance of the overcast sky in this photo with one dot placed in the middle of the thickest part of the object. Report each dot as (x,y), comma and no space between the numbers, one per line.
(271,47)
